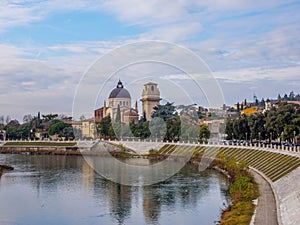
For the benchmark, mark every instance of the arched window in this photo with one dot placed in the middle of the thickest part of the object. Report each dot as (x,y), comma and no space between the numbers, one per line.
(152,88)
(126,103)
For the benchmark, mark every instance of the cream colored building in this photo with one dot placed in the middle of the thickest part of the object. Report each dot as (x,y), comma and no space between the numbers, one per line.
(119,98)
(150,99)
(86,127)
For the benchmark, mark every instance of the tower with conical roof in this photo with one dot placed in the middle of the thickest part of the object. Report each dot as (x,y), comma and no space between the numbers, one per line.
(150,98)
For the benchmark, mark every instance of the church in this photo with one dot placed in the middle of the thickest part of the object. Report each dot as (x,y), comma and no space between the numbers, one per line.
(120,100)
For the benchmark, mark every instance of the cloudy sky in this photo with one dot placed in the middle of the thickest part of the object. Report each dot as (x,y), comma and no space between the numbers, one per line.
(47,46)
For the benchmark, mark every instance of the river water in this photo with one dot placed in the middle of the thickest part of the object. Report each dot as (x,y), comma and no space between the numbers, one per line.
(63,190)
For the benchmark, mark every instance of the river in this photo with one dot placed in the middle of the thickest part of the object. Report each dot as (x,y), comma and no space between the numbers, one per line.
(63,190)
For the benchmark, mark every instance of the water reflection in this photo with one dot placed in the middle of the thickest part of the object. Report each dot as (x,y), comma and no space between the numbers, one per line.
(65,190)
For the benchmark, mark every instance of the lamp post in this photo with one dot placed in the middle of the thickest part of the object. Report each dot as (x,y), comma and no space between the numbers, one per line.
(294,137)
(259,137)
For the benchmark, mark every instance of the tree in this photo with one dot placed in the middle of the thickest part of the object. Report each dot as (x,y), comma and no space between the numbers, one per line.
(279,97)
(201,112)
(82,117)
(256,124)
(204,132)
(285,119)
(1,119)
(27,118)
(277,119)
(140,130)
(169,115)
(103,126)
(7,119)
(49,117)
(262,102)
(57,128)
(68,132)
(289,133)
(118,115)
(167,111)
(229,129)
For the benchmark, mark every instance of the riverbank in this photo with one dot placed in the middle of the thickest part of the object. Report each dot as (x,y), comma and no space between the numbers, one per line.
(243,190)
(36,148)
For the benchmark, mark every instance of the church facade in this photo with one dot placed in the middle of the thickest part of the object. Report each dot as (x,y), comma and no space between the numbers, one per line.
(120,100)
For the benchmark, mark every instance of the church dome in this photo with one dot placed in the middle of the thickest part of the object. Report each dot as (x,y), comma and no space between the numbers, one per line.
(119,92)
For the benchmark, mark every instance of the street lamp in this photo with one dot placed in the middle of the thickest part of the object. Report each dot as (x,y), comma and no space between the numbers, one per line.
(294,137)
(270,137)
(246,136)
(259,137)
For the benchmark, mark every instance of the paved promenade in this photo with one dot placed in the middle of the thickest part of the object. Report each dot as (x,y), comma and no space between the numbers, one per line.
(266,213)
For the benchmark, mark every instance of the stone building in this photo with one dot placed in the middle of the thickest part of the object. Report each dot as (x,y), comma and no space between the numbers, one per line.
(150,99)
(119,99)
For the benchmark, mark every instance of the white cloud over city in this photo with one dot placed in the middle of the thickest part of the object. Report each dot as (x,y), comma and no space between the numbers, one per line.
(245,43)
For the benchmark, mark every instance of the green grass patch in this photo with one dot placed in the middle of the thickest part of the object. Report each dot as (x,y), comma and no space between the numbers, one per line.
(40,143)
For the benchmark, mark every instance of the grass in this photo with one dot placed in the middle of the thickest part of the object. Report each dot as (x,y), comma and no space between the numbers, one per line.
(243,190)
(239,213)
(39,144)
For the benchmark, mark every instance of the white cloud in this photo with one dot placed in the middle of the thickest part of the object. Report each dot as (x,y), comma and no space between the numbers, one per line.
(255,74)
(238,45)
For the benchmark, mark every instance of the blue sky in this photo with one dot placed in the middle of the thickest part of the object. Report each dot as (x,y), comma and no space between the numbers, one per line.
(46,46)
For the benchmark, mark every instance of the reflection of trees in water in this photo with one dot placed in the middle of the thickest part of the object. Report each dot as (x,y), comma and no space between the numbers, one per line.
(151,204)
(183,190)
(186,188)
(47,171)
(120,201)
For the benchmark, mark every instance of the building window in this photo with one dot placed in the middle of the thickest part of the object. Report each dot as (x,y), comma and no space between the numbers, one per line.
(124,103)
(127,103)
(152,88)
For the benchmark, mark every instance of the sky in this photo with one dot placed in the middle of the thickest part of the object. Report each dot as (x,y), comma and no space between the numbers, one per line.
(46,47)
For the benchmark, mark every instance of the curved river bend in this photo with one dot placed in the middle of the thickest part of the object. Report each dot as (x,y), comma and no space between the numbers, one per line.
(64,190)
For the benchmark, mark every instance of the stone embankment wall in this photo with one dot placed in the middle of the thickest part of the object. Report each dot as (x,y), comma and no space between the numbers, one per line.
(287,190)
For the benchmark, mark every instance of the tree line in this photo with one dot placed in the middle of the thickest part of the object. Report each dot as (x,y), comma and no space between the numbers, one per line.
(280,123)
(47,125)
(168,123)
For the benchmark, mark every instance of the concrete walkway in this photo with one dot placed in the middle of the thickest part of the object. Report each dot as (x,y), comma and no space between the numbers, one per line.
(266,213)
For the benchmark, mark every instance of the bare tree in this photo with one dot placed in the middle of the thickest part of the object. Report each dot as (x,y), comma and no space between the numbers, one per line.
(27,118)
(7,119)
(1,119)
(82,117)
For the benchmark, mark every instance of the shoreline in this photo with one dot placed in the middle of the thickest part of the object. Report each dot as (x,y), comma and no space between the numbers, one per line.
(81,152)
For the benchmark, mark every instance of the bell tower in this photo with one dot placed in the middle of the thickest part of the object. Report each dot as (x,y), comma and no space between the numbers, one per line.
(150,98)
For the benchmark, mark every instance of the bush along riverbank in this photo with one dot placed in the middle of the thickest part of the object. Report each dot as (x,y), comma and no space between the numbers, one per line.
(242,188)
